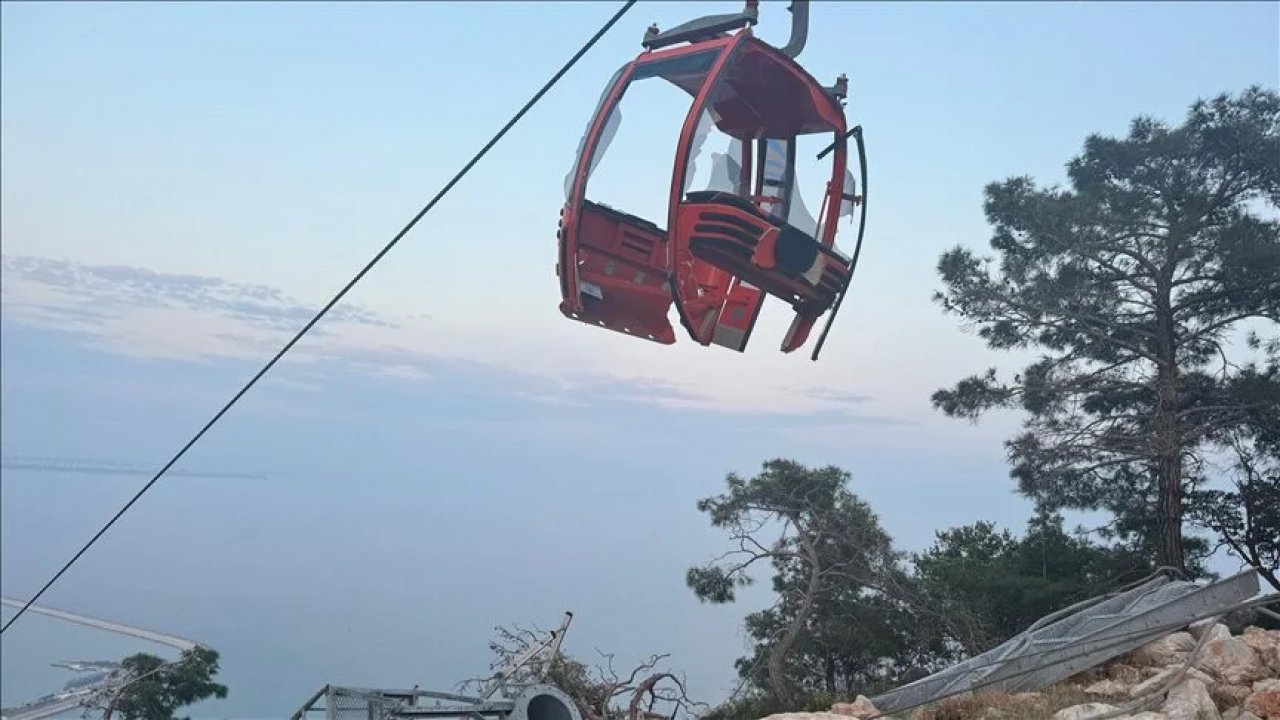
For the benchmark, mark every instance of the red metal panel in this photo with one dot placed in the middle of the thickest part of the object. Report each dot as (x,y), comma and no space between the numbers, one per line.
(743,244)
(597,256)
(570,215)
(698,288)
(738,316)
(771,96)
(621,275)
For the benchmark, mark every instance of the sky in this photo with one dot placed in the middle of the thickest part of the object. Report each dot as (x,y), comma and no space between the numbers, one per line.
(184,184)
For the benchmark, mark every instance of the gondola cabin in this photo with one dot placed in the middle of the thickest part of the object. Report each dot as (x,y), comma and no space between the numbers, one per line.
(730,241)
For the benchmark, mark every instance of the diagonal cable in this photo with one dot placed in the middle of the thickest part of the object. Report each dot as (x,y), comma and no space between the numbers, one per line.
(329,305)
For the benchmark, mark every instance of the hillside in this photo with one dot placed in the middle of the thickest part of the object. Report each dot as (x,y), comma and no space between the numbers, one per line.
(1201,673)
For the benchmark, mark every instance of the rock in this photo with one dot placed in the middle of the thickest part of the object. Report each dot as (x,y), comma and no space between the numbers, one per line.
(1084,712)
(1217,632)
(1168,650)
(1231,660)
(1229,696)
(1265,699)
(806,716)
(1268,685)
(1107,688)
(859,708)
(1160,678)
(1199,628)
(1233,678)
(1189,700)
(1266,643)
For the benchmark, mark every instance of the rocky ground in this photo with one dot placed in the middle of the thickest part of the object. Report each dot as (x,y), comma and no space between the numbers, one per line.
(1229,677)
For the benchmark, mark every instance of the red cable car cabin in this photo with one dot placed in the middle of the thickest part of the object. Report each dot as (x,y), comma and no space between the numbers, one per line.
(726,247)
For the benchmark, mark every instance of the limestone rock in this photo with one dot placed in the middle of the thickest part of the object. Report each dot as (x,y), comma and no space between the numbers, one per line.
(859,708)
(1189,700)
(1233,678)
(1165,675)
(1217,632)
(1239,713)
(1265,700)
(806,716)
(1266,643)
(1198,629)
(1231,660)
(1230,696)
(1107,688)
(1168,650)
(1268,685)
(1084,712)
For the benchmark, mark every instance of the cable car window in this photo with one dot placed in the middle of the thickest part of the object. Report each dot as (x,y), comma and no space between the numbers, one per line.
(715,160)
(643,124)
(756,101)
(693,65)
(810,178)
(607,136)
(779,187)
(847,208)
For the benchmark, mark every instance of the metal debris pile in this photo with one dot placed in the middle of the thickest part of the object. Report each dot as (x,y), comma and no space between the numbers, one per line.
(1156,651)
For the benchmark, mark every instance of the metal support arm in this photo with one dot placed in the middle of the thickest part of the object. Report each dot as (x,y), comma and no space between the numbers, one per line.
(799,28)
(702,28)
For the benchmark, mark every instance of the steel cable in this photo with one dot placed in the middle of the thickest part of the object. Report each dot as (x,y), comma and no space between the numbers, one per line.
(334,301)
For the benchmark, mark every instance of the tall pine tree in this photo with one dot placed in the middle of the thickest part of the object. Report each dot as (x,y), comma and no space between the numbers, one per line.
(1130,285)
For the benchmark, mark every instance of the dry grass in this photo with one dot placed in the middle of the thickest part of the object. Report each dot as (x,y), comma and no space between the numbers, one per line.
(1021,706)
(990,705)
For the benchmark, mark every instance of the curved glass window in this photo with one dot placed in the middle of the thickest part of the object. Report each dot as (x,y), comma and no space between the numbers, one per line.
(762,114)
(611,128)
(629,167)
(715,160)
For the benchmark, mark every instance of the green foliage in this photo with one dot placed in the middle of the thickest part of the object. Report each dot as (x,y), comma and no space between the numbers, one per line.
(868,624)
(991,585)
(756,705)
(157,687)
(816,520)
(1128,284)
(840,620)
(1246,517)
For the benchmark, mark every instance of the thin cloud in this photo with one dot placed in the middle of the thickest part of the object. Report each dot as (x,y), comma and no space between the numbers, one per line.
(843,397)
(95,287)
(141,313)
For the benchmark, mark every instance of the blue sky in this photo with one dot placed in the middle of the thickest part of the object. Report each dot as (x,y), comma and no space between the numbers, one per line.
(183,183)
